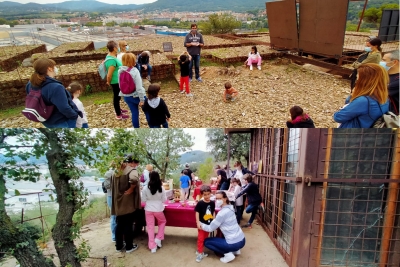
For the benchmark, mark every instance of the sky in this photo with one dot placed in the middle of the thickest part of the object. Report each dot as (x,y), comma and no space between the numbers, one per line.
(200,139)
(120,2)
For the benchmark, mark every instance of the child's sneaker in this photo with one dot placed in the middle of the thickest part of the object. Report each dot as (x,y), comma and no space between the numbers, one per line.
(228,257)
(200,256)
(134,247)
(122,117)
(148,78)
(247,225)
(124,111)
(182,91)
(158,242)
(259,67)
(154,250)
(251,67)
(199,79)
(190,94)
(237,252)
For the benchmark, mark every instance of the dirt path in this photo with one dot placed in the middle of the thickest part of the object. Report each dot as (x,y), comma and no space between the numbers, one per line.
(178,250)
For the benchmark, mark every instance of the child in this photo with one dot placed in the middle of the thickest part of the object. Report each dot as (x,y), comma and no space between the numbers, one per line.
(239,201)
(185,183)
(299,119)
(76,89)
(184,61)
(230,93)
(254,57)
(155,107)
(204,214)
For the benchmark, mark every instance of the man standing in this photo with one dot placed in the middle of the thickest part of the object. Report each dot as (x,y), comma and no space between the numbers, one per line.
(193,43)
(191,176)
(390,62)
(143,61)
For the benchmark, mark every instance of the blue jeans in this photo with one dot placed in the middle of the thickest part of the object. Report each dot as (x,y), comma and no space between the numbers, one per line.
(64,124)
(196,60)
(113,222)
(219,245)
(239,212)
(224,186)
(85,125)
(253,209)
(164,125)
(149,68)
(133,104)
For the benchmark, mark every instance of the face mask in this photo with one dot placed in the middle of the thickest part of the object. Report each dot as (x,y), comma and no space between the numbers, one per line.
(367,49)
(384,64)
(218,203)
(127,47)
(56,71)
(119,49)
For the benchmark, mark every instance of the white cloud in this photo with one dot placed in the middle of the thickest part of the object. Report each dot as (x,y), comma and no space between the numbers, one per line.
(200,139)
(120,2)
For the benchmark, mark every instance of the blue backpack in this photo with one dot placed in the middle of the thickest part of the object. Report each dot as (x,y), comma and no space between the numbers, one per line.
(103,69)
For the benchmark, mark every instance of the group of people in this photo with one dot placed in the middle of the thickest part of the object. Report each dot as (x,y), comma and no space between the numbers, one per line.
(126,190)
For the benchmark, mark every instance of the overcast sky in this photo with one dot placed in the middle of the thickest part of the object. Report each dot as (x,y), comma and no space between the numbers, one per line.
(200,139)
(119,2)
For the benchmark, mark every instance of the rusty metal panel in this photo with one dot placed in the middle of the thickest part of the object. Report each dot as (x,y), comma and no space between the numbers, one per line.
(322,26)
(282,22)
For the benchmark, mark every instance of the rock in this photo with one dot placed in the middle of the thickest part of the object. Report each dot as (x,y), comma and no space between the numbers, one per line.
(27,62)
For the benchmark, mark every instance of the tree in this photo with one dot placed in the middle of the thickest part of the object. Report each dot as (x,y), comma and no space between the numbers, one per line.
(111,24)
(62,147)
(218,144)
(374,15)
(219,24)
(206,169)
(126,24)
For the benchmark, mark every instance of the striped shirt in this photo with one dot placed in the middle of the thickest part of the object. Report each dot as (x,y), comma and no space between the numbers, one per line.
(226,221)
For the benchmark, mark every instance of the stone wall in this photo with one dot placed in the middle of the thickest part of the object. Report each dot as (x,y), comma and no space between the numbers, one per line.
(13,62)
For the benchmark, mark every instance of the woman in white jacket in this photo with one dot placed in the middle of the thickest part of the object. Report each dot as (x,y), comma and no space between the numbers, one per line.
(154,197)
(137,98)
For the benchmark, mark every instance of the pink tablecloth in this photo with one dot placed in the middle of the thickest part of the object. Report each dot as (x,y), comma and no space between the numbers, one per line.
(196,191)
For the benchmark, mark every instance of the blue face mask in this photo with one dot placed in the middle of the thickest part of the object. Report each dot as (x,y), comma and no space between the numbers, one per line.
(127,47)
(384,64)
(368,49)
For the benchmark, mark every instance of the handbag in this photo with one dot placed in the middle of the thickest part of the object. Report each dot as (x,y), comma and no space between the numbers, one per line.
(387,120)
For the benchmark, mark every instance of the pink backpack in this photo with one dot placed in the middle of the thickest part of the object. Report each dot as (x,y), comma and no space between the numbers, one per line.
(142,178)
(126,83)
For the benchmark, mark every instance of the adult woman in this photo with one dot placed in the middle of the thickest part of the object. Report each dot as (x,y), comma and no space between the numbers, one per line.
(369,100)
(65,112)
(373,54)
(135,99)
(222,180)
(225,220)
(154,196)
(113,64)
(125,201)
(253,198)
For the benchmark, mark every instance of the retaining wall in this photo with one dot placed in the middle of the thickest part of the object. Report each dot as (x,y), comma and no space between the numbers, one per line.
(13,62)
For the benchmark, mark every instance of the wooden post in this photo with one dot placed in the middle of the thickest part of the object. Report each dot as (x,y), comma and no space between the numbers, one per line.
(362,15)
(390,214)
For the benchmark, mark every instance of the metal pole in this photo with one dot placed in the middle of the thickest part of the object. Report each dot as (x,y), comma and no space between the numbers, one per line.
(362,15)
(229,152)
(41,217)
(22,216)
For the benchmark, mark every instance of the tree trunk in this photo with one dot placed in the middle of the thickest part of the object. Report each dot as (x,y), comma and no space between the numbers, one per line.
(14,238)
(61,233)
(164,171)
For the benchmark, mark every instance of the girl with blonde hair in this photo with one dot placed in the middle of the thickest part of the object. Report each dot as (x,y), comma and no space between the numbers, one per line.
(369,100)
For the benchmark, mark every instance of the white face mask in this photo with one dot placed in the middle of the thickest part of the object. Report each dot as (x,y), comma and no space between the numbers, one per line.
(218,203)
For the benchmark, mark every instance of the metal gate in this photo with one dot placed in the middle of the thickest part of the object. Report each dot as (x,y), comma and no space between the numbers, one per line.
(389,28)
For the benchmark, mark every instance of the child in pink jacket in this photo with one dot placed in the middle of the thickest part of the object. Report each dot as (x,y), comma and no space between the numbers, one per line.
(254,57)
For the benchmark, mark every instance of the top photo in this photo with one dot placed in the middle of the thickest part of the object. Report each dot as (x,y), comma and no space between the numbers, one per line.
(173,64)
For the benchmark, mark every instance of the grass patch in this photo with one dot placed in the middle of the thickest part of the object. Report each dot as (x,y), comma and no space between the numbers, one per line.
(11,112)
(96,210)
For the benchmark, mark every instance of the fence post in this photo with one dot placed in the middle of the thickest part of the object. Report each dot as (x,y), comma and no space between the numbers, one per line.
(105,261)
(41,217)
(22,216)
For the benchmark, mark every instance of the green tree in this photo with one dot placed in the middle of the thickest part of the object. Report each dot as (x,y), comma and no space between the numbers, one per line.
(218,144)
(94,24)
(206,169)
(111,24)
(218,24)
(61,147)
(126,24)
(374,15)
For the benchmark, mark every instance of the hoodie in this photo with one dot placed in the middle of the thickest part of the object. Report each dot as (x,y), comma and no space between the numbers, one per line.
(301,122)
(54,93)
(157,110)
(253,196)
(137,79)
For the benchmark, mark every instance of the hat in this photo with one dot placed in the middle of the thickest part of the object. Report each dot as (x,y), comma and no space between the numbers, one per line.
(108,174)
(187,165)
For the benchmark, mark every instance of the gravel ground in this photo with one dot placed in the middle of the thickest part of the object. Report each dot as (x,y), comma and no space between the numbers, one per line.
(264,99)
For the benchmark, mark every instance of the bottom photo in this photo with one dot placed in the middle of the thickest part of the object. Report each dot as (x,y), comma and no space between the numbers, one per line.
(177,197)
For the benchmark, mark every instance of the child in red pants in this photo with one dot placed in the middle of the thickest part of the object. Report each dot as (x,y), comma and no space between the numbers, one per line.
(205,209)
(184,61)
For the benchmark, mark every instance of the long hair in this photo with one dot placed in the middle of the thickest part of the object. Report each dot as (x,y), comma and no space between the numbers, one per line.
(154,183)
(255,49)
(74,87)
(373,81)
(40,66)
(296,111)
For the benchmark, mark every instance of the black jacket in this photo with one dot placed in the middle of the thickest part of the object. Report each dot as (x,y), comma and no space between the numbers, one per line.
(394,93)
(142,60)
(157,114)
(304,124)
(253,196)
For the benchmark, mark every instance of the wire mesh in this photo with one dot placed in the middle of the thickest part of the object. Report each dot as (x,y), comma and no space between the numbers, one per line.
(356,214)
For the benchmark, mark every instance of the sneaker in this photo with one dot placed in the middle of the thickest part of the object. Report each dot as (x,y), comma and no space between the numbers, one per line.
(259,67)
(228,257)
(199,80)
(120,250)
(122,117)
(148,78)
(190,94)
(158,242)
(262,208)
(154,250)
(237,252)
(182,91)
(124,111)
(134,247)
(251,67)
(247,225)
(113,240)
(200,256)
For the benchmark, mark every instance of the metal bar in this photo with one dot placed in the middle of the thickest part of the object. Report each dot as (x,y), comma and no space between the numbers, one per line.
(323,202)
(345,180)
(390,213)
(362,15)
(281,184)
(41,216)
(229,152)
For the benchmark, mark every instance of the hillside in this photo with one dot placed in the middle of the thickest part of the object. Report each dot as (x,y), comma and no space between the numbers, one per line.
(204,5)
(195,156)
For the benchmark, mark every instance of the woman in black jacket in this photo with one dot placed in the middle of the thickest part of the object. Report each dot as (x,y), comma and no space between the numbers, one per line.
(253,198)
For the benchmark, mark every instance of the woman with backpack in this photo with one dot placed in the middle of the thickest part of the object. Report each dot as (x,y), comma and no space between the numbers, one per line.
(368,101)
(53,93)
(131,86)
